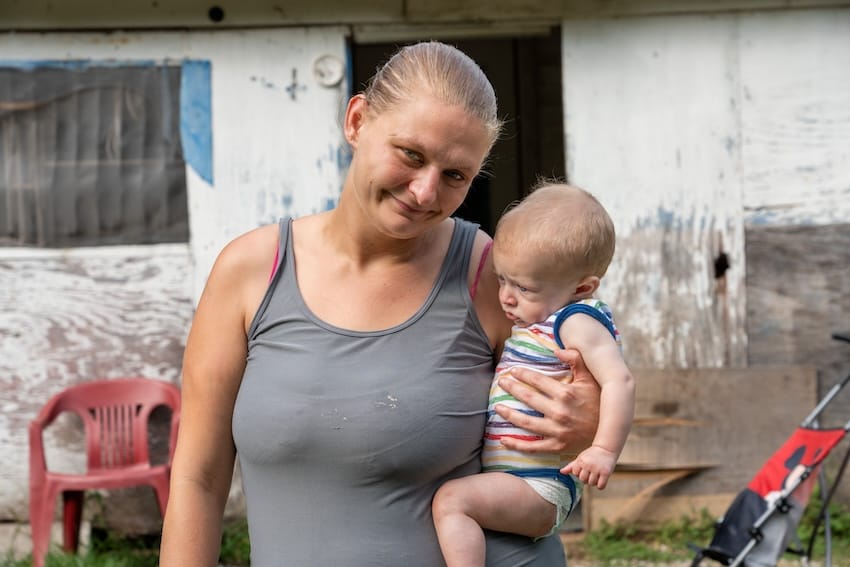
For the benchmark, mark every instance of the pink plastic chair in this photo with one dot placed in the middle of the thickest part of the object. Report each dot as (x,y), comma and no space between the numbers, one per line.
(115,416)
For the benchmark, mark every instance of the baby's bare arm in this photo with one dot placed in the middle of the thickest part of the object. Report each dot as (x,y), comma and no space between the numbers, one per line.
(616,413)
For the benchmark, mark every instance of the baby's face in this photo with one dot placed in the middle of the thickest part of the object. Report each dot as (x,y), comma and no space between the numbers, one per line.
(526,297)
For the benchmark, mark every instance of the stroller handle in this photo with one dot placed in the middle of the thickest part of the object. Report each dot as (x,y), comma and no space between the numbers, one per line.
(812,417)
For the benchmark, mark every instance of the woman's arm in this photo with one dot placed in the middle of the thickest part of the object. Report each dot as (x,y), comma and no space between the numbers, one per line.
(571,410)
(213,364)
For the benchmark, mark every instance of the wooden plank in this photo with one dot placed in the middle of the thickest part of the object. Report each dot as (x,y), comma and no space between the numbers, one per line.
(662,509)
(447,10)
(697,436)
(634,508)
(88,14)
(790,319)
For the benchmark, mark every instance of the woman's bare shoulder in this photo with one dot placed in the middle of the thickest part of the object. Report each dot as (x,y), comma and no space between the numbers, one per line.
(244,265)
(252,250)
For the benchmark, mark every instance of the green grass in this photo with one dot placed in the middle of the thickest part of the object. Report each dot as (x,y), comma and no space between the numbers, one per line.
(625,544)
(235,548)
(606,546)
(609,544)
(106,550)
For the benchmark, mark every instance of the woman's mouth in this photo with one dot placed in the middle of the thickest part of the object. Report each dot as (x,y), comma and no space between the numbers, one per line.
(409,209)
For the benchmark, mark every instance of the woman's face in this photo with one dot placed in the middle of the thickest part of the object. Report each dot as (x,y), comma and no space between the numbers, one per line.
(413,163)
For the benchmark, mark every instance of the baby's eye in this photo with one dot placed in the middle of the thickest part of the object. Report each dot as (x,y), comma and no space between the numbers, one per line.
(522,289)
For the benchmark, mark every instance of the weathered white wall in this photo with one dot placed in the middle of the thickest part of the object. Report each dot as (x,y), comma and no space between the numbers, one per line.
(71,315)
(795,117)
(688,128)
(75,315)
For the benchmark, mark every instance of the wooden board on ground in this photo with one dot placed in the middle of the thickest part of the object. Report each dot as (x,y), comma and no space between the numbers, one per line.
(699,437)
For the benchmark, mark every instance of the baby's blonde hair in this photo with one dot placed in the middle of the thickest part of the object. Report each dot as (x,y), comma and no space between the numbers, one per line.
(439,70)
(565,226)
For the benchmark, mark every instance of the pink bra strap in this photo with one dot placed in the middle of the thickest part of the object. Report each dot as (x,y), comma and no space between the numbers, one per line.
(474,287)
(276,256)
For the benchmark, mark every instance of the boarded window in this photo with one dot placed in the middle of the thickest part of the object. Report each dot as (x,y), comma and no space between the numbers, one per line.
(91,155)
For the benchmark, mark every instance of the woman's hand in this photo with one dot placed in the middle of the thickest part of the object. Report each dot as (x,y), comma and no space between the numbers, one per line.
(571,411)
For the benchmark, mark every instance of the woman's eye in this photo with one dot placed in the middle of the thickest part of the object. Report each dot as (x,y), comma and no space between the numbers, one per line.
(456,175)
(411,155)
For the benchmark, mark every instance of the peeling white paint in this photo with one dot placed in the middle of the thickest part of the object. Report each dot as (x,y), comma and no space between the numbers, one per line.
(690,128)
(795,113)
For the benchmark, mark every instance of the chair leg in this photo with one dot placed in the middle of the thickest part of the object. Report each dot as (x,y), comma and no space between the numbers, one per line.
(161,486)
(72,513)
(42,510)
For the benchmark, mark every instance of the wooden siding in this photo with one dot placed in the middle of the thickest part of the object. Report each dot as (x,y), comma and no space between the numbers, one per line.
(690,129)
(795,118)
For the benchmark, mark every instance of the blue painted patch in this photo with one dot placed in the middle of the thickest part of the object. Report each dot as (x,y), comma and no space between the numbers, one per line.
(760,217)
(330,204)
(343,157)
(349,68)
(666,218)
(196,117)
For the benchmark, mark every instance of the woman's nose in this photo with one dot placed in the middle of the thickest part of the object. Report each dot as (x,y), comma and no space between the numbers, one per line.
(425,186)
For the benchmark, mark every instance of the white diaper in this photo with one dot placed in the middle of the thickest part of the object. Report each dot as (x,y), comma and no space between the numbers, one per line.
(556,493)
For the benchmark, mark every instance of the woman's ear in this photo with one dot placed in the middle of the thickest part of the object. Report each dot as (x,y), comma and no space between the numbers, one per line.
(586,287)
(355,117)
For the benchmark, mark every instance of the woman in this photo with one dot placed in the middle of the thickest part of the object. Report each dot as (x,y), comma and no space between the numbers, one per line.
(354,381)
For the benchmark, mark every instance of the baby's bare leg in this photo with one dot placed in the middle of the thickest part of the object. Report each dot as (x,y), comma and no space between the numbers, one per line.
(495,501)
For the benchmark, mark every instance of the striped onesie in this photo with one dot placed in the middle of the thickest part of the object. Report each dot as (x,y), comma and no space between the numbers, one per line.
(532,347)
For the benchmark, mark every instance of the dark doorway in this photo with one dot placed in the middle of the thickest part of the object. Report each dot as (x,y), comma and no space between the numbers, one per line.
(526,74)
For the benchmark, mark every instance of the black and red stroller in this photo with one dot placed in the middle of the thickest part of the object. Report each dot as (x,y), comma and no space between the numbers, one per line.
(762,520)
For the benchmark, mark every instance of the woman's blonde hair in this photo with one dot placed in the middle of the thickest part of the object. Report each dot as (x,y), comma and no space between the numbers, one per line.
(565,226)
(440,70)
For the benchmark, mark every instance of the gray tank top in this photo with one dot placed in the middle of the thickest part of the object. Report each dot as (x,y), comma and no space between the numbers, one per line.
(343,437)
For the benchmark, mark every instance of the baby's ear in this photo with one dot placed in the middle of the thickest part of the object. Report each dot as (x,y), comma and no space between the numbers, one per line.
(586,287)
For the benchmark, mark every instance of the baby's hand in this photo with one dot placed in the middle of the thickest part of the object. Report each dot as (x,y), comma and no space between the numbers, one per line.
(593,466)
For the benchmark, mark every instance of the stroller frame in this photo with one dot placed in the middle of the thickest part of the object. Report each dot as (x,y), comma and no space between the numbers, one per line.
(734,541)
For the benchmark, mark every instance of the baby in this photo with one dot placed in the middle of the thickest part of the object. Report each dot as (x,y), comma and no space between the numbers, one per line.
(549,252)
